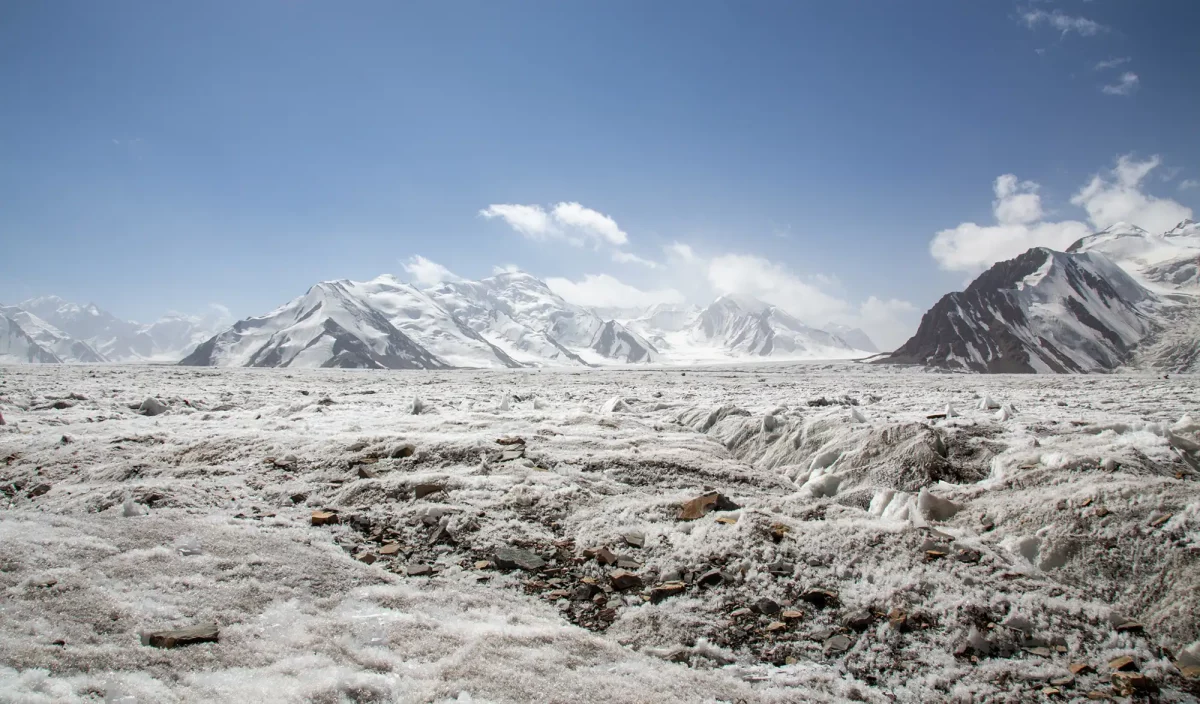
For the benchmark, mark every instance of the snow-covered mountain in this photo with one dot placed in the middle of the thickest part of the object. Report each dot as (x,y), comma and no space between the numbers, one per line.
(89,334)
(18,347)
(855,337)
(1169,262)
(1043,311)
(50,339)
(509,320)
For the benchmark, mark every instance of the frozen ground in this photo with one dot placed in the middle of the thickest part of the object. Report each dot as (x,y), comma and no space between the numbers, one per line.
(970,558)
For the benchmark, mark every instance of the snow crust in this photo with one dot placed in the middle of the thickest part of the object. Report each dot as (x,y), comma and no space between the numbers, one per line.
(1080,507)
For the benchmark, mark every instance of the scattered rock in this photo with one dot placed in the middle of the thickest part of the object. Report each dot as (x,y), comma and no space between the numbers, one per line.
(602,555)
(207,633)
(635,538)
(791,615)
(367,558)
(515,558)
(324,518)
(418,569)
(968,555)
(781,568)
(624,579)
(766,606)
(820,598)
(43,582)
(665,590)
(1079,668)
(1122,664)
(701,505)
(837,644)
(39,490)
(510,455)
(775,625)
(510,441)
(1130,627)
(898,619)
(152,407)
(482,564)
(710,578)
(420,491)
(365,472)
(390,549)
(859,619)
(1127,684)
(405,450)
(728,520)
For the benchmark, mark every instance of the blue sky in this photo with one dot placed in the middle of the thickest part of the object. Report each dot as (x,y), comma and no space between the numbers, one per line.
(824,156)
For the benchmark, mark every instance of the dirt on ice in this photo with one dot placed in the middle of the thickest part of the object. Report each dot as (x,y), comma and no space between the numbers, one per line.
(760,533)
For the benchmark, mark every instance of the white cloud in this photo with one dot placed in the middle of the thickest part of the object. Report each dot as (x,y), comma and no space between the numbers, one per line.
(604,291)
(889,323)
(1018,210)
(772,283)
(1124,86)
(220,312)
(427,273)
(1020,225)
(679,250)
(529,220)
(505,269)
(1062,22)
(1118,197)
(1112,63)
(591,223)
(1188,184)
(624,257)
(570,222)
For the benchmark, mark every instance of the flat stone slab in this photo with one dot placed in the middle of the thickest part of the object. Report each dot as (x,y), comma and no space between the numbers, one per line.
(205,633)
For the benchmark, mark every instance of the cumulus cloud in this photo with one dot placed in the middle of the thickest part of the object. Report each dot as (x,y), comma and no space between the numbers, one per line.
(1107,199)
(1118,197)
(1018,210)
(571,222)
(424,272)
(1125,85)
(1064,23)
(773,283)
(604,291)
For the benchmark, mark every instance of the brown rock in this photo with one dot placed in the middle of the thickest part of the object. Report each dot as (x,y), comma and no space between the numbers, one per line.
(1079,668)
(367,558)
(390,549)
(931,555)
(405,450)
(1066,681)
(602,555)
(776,626)
(665,590)
(820,598)
(365,472)
(791,615)
(898,619)
(1192,672)
(701,505)
(1161,520)
(324,518)
(727,520)
(1128,683)
(483,564)
(420,491)
(207,633)
(419,569)
(1097,696)
(1122,664)
(710,578)
(624,579)
(510,441)
(1130,627)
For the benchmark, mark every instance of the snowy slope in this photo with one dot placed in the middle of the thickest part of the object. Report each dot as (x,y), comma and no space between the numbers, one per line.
(1043,311)
(855,337)
(745,326)
(51,339)
(18,347)
(1169,262)
(116,340)
(329,326)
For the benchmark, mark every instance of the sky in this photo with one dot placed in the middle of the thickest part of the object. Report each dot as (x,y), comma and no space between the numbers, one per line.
(848,161)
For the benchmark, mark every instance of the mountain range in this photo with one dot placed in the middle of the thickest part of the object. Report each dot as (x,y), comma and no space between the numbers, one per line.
(509,320)
(50,330)
(1120,297)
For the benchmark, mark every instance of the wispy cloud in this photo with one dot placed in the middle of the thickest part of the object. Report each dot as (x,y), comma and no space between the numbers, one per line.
(1188,184)
(1112,63)
(1126,85)
(567,221)
(1064,23)
(624,257)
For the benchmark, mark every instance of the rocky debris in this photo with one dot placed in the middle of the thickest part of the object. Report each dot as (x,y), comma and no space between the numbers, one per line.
(152,407)
(968,555)
(820,598)
(898,620)
(482,564)
(365,472)
(1126,684)
(324,518)
(711,578)
(1122,664)
(766,607)
(514,454)
(635,539)
(420,491)
(405,450)
(39,490)
(367,558)
(43,582)
(624,579)
(837,644)
(858,620)
(510,441)
(206,633)
(418,569)
(515,558)
(1079,668)
(781,568)
(326,401)
(1130,627)
(774,626)
(602,555)
(666,590)
(701,505)
(791,615)
(390,549)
